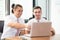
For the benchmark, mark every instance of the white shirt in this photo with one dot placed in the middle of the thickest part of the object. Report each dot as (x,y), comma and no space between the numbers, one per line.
(8,31)
(34,20)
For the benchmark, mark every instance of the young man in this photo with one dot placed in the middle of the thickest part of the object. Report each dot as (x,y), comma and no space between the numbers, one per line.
(37,12)
(13,23)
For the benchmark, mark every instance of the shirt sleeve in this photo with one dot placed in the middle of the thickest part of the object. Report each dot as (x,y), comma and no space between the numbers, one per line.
(22,22)
(30,23)
(7,20)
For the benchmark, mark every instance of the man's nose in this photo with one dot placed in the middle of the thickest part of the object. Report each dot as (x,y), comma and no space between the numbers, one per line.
(37,13)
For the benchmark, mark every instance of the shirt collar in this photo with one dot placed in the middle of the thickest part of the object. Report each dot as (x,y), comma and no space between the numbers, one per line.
(14,16)
(37,20)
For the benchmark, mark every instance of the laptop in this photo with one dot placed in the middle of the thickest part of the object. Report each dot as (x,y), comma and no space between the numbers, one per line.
(40,29)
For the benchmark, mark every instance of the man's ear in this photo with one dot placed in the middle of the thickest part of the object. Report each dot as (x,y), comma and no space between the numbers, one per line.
(41,11)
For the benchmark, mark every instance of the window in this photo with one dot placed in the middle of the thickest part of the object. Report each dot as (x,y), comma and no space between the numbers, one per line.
(2,9)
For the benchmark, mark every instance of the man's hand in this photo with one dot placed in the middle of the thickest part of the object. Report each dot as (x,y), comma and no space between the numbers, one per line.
(28,27)
(52,32)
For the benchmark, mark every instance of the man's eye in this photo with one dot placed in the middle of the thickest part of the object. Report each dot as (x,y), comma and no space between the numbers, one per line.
(35,12)
(20,11)
(39,12)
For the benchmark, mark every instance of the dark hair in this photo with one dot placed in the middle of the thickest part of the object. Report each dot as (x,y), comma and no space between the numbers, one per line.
(36,7)
(15,6)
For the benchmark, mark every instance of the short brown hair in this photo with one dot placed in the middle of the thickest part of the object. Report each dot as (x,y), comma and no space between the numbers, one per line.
(36,7)
(15,6)
(18,5)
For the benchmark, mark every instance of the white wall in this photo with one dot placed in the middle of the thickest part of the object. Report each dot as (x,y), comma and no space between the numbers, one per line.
(27,7)
(55,15)
(2,9)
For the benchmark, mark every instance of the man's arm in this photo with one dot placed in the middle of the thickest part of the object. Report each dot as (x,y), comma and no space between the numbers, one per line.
(16,25)
(52,32)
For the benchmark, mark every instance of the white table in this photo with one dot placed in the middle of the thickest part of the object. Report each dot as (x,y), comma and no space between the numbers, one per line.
(55,37)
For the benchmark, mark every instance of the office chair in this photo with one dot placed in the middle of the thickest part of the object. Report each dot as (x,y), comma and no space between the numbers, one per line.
(1,26)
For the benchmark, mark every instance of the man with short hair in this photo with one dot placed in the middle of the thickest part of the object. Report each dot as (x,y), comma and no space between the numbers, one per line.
(37,12)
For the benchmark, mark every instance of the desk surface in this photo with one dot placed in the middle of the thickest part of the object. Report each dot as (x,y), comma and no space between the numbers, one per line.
(56,37)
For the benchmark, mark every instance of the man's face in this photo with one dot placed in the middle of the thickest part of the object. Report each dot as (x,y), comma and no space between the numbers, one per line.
(37,13)
(18,11)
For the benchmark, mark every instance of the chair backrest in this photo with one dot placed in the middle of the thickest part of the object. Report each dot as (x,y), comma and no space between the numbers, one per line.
(1,26)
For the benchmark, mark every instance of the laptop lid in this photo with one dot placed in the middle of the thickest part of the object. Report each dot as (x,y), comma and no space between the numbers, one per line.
(40,29)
